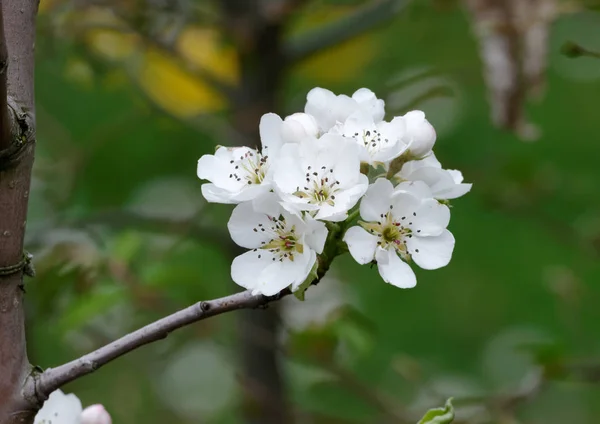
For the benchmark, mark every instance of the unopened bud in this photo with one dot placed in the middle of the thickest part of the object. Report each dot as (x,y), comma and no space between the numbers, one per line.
(95,414)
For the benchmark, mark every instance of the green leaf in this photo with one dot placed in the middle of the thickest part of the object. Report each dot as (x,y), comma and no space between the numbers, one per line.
(312,276)
(443,415)
(127,245)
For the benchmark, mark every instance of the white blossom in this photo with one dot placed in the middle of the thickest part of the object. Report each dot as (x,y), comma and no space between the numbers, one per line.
(61,408)
(329,109)
(95,414)
(420,133)
(321,176)
(400,226)
(284,246)
(380,142)
(445,184)
(239,174)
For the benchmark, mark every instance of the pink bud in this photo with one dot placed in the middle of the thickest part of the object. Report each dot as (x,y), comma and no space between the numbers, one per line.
(95,414)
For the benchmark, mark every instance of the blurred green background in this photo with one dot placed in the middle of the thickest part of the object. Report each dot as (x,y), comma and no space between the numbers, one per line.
(116,221)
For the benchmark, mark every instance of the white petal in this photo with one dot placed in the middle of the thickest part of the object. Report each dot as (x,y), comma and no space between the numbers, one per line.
(209,166)
(95,414)
(316,234)
(247,267)
(369,102)
(405,205)
(342,156)
(439,180)
(361,244)
(267,204)
(270,133)
(336,213)
(215,194)
(363,95)
(250,192)
(311,259)
(411,166)
(394,133)
(457,191)
(390,152)
(431,218)
(288,174)
(417,188)
(299,126)
(217,170)
(457,176)
(377,200)
(243,223)
(393,270)
(320,103)
(281,274)
(59,408)
(433,252)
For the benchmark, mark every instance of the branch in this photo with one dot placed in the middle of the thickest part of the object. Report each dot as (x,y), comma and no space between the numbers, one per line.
(53,378)
(40,386)
(574,50)
(344,29)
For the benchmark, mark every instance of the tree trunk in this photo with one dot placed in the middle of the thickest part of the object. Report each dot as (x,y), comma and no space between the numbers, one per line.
(258,36)
(16,160)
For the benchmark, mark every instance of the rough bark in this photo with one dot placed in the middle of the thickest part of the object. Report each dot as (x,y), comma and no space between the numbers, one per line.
(16,160)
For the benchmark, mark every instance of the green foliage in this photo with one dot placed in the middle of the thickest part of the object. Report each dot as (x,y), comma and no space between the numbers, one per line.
(443,415)
(527,237)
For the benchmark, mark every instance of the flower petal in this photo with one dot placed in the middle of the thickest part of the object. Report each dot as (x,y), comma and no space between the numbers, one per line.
(369,102)
(247,267)
(59,408)
(361,244)
(432,252)
(288,174)
(217,170)
(376,200)
(215,194)
(299,126)
(281,274)
(316,234)
(405,205)
(393,270)
(270,133)
(457,191)
(456,175)
(247,227)
(430,219)
(418,189)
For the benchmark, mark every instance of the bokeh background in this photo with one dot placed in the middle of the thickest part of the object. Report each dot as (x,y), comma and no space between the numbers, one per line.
(131,93)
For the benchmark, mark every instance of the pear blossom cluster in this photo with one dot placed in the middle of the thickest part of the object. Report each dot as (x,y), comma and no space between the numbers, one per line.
(338,165)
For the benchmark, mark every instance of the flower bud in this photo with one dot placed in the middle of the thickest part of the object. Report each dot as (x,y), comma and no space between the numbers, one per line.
(421,132)
(95,414)
(299,126)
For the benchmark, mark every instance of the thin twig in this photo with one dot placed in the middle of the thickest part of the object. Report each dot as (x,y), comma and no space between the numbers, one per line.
(53,378)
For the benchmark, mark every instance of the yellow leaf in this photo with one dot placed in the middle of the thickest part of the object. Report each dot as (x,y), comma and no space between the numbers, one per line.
(203,48)
(110,43)
(174,89)
(340,63)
